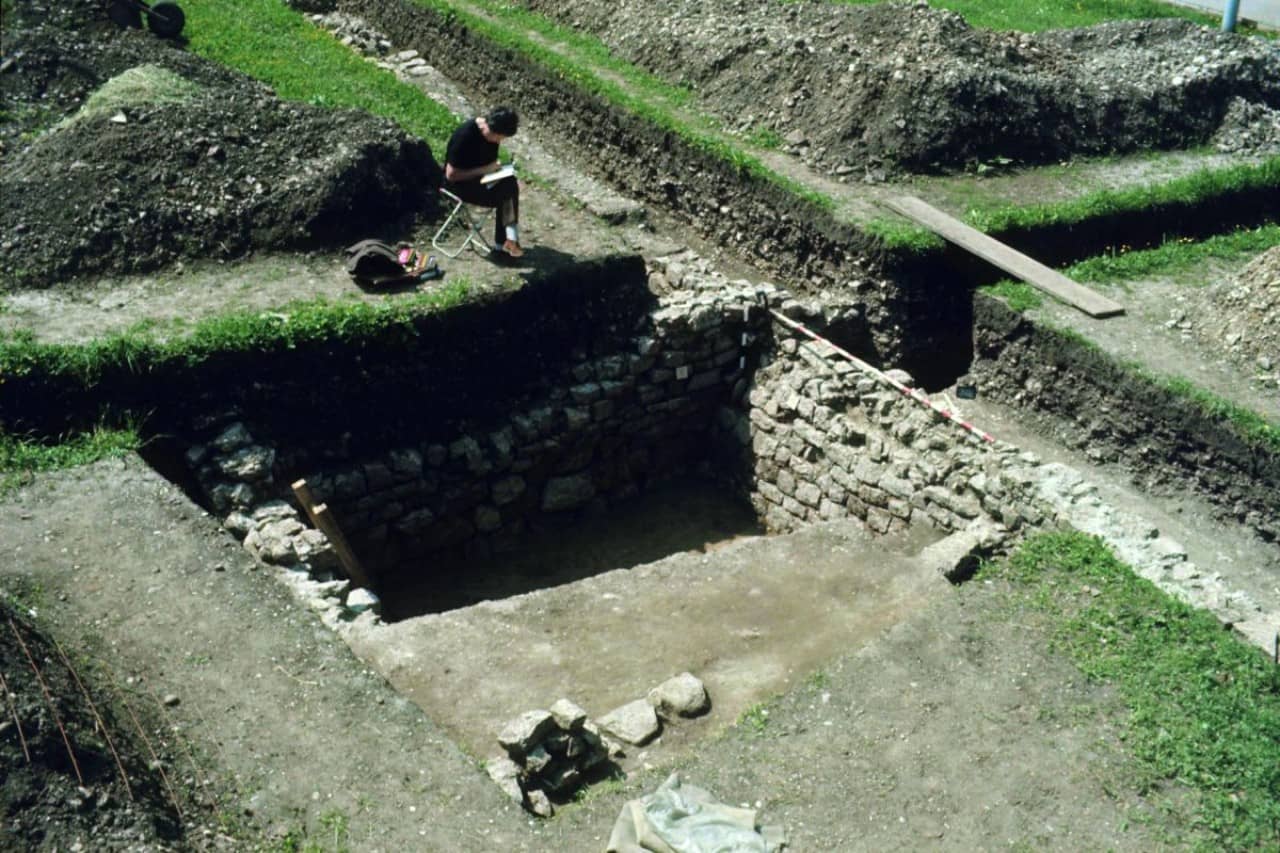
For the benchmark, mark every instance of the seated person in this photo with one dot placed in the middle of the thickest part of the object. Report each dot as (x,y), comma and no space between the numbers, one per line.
(473,153)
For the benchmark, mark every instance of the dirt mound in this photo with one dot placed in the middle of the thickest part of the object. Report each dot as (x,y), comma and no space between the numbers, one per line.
(44,805)
(1242,317)
(870,90)
(204,162)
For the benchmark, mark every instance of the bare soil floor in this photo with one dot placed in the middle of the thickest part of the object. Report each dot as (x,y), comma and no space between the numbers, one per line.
(881,723)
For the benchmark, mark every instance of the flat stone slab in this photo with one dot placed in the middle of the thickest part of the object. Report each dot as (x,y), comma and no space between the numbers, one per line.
(635,723)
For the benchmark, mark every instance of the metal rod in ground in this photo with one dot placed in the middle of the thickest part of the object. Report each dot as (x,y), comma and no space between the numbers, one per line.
(163,711)
(883,377)
(155,758)
(48,698)
(196,772)
(124,777)
(13,709)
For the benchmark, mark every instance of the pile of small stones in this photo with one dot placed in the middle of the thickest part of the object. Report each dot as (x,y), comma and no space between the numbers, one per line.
(1242,318)
(236,473)
(550,753)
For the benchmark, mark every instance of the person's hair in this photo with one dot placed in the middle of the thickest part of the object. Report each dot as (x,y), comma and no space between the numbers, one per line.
(503,120)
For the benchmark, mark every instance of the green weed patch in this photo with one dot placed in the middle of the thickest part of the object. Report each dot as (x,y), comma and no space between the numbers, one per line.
(22,456)
(1168,259)
(1253,427)
(1057,14)
(1174,256)
(1187,191)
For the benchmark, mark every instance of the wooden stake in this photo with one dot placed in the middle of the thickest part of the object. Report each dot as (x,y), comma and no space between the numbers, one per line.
(324,521)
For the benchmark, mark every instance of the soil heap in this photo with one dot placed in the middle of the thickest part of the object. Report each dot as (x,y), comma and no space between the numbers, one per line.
(1242,316)
(124,153)
(869,91)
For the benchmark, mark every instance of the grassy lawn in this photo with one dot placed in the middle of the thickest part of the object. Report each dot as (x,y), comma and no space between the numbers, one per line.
(1170,259)
(273,43)
(1057,14)
(1203,708)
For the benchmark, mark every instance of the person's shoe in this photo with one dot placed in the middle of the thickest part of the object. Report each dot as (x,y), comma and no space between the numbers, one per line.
(512,248)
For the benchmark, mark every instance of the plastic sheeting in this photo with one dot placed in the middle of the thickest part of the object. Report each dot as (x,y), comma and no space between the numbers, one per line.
(680,818)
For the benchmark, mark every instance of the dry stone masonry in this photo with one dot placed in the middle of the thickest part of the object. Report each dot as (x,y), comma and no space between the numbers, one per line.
(608,426)
(548,754)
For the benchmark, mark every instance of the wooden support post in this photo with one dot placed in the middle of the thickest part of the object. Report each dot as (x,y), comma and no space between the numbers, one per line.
(324,521)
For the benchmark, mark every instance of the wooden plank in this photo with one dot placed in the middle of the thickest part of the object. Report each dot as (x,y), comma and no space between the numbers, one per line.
(1008,259)
(323,519)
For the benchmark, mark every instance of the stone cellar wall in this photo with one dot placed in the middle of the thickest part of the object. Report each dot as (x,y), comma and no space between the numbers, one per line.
(816,440)
(707,380)
(596,428)
(608,426)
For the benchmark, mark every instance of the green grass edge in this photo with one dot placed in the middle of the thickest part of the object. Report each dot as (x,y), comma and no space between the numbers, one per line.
(1204,708)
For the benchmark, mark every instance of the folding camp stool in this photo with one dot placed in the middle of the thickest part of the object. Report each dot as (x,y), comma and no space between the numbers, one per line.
(461,215)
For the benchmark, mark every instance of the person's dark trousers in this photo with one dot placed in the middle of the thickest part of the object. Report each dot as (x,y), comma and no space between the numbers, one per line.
(503,195)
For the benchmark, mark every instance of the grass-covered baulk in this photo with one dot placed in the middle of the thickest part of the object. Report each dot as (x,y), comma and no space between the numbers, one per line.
(1203,709)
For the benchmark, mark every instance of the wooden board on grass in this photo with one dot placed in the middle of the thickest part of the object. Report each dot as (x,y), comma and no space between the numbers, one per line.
(1008,259)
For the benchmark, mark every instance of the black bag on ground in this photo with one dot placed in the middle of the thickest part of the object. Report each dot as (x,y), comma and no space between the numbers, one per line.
(372,261)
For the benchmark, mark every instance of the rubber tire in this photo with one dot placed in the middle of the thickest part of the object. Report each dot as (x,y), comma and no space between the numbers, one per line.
(124,15)
(169,22)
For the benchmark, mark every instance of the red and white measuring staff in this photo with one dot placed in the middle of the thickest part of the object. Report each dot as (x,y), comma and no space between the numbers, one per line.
(866,368)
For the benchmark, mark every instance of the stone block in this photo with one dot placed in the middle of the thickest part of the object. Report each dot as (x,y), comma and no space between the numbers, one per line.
(635,723)
(248,464)
(507,489)
(487,518)
(506,775)
(360,599)
(895,486)
(406,464)
(878,520)
(586,393)
(378,476)
(562,493)
(536,759)
(540,803)
(521,734)
(964,506)
(568,715)
(706,379)
(681,696)
(233,438)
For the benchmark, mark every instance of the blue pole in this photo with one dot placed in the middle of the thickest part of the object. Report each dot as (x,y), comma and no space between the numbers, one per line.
(1229,16)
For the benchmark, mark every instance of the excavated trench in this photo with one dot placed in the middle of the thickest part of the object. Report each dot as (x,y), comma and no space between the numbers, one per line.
(611,413)
(649,415)
(559,490)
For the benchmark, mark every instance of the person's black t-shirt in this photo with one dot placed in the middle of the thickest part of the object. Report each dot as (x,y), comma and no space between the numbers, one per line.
(468,148)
